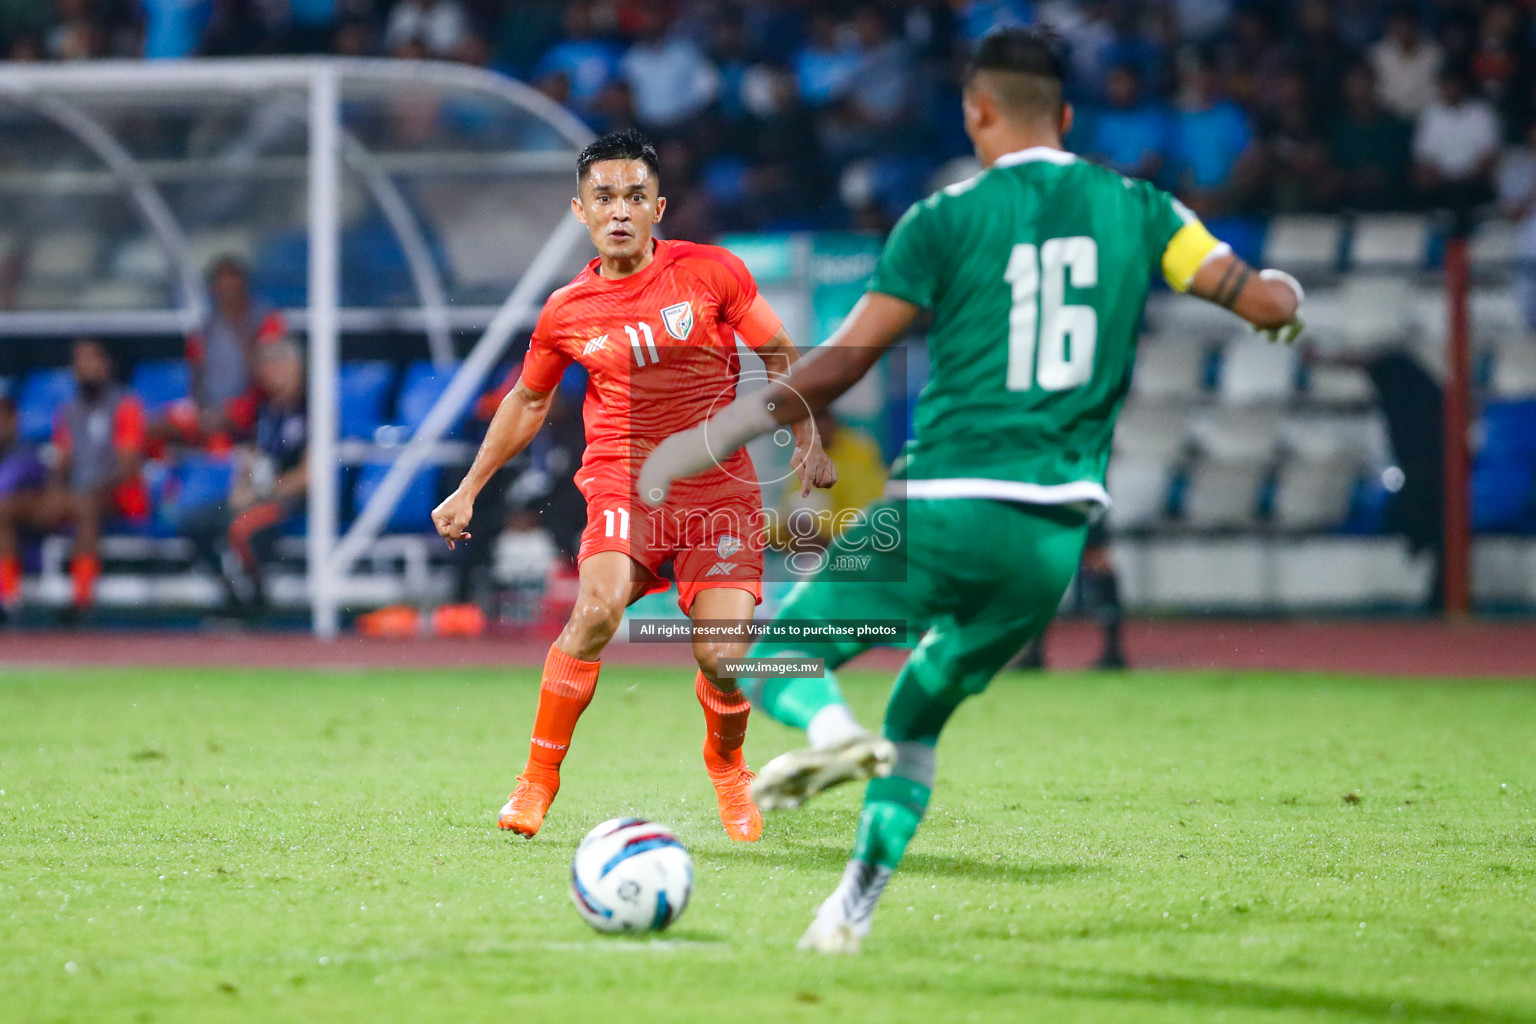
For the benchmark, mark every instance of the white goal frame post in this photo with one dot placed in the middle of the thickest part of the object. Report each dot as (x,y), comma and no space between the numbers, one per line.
(61,94)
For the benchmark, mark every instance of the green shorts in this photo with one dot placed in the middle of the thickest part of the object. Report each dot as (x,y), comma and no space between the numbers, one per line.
(975,578)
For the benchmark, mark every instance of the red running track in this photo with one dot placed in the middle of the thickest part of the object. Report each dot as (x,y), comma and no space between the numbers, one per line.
(1396,648)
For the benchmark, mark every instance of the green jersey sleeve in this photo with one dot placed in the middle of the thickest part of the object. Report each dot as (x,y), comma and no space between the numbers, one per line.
(912,261)
(1178,242)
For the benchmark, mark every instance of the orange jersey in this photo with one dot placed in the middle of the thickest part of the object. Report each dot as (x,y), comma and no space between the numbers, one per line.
(659,348)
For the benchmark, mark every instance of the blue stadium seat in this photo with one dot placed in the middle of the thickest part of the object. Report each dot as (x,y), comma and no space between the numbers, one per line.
(364,388)
(1509,432)
(41,395)
(161,383)
(200,480)
(1502,496)
(421,387)
(414,512)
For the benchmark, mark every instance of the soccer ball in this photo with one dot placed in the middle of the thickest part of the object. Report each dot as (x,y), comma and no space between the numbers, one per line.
(630,875)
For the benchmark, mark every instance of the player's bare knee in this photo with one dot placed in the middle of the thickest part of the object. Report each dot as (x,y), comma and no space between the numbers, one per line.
(708,654)
(594,621)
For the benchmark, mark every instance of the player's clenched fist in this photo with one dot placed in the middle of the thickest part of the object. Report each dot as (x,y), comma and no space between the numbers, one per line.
(452,516)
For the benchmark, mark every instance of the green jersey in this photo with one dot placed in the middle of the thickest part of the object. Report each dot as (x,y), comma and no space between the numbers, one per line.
(1036,271)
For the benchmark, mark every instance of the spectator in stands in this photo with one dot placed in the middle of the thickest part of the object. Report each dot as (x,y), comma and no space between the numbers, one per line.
(671,79)
(1320,54)
(1456,146)
(269,483)
(1296,166)
(1517,201)
(439,26)
(1495,59)
(222,356)
(826,64)
(1370,146)
(1407,64)
(525,31)
(1211,141)
(78,34)
(789,180)
(99,439)
(874,110)
(1089,37)
(1130,135)
(172,28)
(22,473)
(584,62)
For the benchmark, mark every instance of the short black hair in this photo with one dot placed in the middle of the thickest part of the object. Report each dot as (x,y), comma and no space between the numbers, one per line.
(622,145)
(1020,51)
(1025,69)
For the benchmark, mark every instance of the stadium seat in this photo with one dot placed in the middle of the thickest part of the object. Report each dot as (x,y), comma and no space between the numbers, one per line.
(1255,371)
(1139,488)
(422,385)
(364,388)
(1319,437)
(1339,385)
(161,382)
(1502,496)
(1237,437)
(1509,432)
(1514,369)
(201,480)
(1304,244)
(1169,369)
(413,514)
(1375,311)
(69,253)
(1494,244)
(42,393)
(1221,496)
(1314,496)
(1152,431)
(1389,241)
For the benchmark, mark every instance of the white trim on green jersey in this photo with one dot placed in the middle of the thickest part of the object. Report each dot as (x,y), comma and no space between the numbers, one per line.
(1034,153)
(1000,490)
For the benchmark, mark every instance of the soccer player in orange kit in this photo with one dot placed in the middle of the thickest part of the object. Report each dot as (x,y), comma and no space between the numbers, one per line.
(654,323)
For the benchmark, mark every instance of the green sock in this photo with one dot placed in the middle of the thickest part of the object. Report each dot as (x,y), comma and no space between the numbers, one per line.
(893,808)
(793,702)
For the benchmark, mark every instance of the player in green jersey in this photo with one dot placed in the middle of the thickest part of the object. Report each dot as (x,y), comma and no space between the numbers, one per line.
(1036,271)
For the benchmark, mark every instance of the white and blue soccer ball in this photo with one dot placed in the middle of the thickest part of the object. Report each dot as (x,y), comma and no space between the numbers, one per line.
(630,875)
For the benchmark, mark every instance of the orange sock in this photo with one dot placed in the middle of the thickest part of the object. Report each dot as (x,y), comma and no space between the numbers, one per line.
(564,694)
(725,718)
(10,580)
(83,570)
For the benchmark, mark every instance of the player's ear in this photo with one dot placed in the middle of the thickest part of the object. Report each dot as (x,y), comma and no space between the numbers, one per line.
(578,209)
(1067,116)
(661,206)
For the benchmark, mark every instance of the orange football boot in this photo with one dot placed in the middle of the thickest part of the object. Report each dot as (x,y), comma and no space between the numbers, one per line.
(733,790)
(525,809)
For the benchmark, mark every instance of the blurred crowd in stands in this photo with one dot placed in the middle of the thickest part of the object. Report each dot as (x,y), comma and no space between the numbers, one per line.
(780,114)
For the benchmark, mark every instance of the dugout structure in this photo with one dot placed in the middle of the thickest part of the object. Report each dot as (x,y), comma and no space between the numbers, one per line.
(120,180)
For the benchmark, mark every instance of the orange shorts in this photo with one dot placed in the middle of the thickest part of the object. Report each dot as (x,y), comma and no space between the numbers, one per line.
(716,542)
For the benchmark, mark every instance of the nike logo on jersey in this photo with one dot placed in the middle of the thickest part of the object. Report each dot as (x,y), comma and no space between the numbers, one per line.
(595,345)
(721,569)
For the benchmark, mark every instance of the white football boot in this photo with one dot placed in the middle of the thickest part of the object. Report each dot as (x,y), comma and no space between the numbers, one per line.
(843,920)
(791,779)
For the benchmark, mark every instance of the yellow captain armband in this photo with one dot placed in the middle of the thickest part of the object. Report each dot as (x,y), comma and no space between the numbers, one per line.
(1187,252)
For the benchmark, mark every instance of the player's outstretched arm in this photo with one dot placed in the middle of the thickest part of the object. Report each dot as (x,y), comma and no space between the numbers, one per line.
(813,383)
(810,461)
(1270,300)
(517,419)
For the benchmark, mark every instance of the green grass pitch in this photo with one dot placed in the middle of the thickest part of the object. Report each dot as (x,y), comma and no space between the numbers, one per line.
(300,846)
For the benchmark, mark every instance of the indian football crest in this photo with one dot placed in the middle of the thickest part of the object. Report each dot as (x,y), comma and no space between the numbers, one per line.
(727,546)
(678,320)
